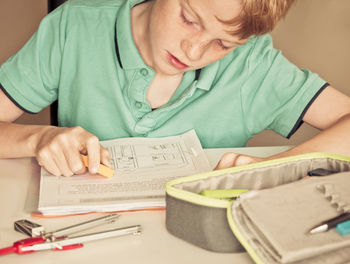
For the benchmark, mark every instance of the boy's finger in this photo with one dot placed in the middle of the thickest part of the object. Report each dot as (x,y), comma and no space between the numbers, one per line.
(62,164)
(81,171)
(227,160)
(93,150)
(105,157)
(50,166)
(74,161)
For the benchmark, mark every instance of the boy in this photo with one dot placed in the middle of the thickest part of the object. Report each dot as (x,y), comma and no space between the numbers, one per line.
(159,68)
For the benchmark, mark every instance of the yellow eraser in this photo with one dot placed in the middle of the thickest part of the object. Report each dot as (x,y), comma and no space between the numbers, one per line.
(223,193)
(102,169)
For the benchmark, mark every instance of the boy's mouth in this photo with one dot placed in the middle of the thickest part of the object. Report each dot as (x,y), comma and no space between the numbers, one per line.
(176,62)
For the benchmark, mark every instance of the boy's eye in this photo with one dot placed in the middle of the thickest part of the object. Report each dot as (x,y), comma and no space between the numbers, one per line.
(219,42)
(185,19)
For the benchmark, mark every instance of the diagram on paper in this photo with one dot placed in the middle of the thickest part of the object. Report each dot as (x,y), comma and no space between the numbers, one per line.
(131,157)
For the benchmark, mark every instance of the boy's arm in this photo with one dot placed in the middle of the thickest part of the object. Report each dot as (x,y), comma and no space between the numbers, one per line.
(329,107)
(9,112)
(330,112)
(56,148)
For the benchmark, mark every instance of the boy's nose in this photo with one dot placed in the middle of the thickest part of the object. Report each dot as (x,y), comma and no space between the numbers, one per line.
(194,48)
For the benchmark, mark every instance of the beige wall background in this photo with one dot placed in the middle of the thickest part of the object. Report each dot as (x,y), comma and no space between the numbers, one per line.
(18,21)
(314,35)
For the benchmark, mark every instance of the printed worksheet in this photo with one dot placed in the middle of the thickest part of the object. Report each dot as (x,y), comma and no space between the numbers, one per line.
(142,168)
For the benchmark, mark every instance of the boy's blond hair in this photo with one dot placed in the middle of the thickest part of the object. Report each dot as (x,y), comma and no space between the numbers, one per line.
(258,17)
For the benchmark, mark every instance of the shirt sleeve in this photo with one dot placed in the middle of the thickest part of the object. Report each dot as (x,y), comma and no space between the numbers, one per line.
(30,78)
(276,94)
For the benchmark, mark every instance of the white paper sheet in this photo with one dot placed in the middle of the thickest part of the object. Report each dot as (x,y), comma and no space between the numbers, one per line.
(142,167)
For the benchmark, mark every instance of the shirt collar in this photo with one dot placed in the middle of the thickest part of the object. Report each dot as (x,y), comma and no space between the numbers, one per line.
(207,76)
(127,53)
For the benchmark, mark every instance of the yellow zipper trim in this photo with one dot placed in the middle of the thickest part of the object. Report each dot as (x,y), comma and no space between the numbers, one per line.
(237,232)
(206,201)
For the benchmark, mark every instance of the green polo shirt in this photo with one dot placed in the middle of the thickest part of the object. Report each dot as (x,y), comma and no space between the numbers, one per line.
(83,55)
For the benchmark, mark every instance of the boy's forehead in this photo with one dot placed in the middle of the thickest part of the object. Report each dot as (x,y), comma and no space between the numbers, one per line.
(213,9)
(214,15)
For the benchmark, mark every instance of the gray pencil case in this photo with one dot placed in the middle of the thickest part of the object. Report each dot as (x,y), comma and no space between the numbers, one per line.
(272,220)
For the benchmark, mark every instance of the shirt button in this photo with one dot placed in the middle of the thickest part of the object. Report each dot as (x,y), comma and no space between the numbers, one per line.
(138,105)
(144,72)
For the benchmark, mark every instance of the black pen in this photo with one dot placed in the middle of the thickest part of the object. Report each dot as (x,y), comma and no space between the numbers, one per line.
(320,172)
(326,225)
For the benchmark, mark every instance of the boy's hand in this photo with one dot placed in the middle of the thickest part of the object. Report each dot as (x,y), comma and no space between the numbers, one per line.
(234,159)
(58,151)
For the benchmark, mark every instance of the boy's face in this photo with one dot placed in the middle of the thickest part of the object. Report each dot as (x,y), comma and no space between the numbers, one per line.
(187,35)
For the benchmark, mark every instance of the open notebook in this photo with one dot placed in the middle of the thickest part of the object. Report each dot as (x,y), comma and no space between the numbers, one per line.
(142,167)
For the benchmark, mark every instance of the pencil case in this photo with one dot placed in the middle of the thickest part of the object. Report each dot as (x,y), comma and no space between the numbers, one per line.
(271,221)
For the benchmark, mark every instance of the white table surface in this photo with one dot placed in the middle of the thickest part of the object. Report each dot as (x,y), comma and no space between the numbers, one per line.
(19,189)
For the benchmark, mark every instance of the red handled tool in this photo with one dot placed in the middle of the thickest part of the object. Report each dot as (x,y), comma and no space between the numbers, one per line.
(18,245)
(65,243)
(58,240)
